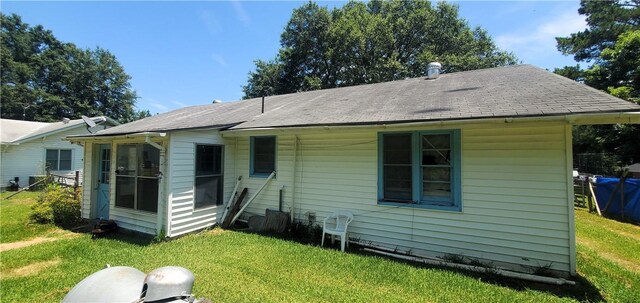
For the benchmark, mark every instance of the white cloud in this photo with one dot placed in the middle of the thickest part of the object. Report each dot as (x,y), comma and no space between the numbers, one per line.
(219,59)
(211,22)
(540,41)
(241,13)
(159,106)
(180,104)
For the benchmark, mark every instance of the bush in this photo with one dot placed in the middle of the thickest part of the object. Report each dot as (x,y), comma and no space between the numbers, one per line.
(57,204)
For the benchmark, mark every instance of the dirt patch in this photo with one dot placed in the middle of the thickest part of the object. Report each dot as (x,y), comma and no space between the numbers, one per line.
(635,236)
(216,231)
(14,201)
(633,266)
(54,236)
(31,269)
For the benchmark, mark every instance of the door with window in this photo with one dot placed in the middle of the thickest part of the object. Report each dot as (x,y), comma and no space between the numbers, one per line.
(104,163)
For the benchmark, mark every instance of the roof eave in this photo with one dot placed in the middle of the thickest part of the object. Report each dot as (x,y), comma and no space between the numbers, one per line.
(98,135)
(65,128)
(83,138)
(575,119)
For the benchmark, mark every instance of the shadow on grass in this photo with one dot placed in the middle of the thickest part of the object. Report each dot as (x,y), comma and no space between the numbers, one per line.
(583,291)
(122,235)
(130,237)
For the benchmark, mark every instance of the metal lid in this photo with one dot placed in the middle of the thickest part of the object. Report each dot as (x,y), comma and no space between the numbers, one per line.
(168,282)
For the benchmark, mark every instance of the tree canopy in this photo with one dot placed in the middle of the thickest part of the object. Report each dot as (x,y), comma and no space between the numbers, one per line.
(612,43)
(371,42)
(44,79)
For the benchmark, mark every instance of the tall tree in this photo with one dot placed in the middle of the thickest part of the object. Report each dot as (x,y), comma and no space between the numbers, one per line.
(612,43)
(44,79)
(371,42)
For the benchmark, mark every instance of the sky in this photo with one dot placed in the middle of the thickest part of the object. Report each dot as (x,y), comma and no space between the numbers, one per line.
(188,53)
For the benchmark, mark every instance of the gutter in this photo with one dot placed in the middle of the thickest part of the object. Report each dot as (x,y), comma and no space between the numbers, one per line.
(621,117)
(145,135)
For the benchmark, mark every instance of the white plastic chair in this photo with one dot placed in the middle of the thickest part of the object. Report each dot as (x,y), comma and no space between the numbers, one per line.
(336,225)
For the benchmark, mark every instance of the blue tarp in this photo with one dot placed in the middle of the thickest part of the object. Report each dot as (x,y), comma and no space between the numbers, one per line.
(604,187)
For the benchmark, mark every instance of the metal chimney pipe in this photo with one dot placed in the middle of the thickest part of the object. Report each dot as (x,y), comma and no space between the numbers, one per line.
(433,70)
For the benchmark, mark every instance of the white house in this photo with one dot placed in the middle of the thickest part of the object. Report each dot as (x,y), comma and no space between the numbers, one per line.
(27,147)
(474,163)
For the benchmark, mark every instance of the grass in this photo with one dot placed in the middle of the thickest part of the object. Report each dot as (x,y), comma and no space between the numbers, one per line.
(609,255)
(14,218)
(239,267)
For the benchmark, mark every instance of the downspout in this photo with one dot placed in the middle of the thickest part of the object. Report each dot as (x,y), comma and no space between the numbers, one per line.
(162,205)
(167,186)
(273,174)
(156,145)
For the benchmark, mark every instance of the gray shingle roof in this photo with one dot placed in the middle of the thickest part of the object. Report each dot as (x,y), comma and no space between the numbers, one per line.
(15,131)
(513,91)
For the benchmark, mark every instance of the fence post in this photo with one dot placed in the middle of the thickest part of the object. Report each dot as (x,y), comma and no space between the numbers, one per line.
(76,184)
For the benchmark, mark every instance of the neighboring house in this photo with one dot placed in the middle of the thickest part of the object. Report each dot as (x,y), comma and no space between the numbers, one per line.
(634,170)
(475,163)
(28,147)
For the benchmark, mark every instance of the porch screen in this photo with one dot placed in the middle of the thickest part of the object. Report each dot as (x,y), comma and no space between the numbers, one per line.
(137,172)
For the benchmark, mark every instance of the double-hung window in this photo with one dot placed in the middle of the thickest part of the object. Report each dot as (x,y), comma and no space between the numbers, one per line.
(420,168)
(137,176)
(208,180)
(263,156)
(58,159)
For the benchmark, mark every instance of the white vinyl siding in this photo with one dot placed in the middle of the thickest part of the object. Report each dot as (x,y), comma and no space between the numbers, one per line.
(183,216)
(514,192)
(29,158)
(88,191)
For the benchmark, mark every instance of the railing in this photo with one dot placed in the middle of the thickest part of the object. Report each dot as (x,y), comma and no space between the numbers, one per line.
(62,180)
(66,180)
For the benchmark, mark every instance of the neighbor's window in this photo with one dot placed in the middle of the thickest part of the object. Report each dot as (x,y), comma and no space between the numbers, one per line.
(208,181)
(58,159)
(421,168)
(263,156)
(137,175)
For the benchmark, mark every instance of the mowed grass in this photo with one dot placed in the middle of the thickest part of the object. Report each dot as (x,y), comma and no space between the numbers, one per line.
(14,217)
(239,267)
(609,256)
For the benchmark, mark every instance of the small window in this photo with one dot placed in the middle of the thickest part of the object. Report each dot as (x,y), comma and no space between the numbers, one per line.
(58,159)
(208,181)
(263,156)
(421,168)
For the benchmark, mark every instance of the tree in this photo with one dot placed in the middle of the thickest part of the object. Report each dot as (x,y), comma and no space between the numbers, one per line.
(44,79)
(612,43)
(607,20)
(371,42)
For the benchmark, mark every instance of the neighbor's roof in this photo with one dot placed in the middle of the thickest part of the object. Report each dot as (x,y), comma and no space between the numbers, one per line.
(634,168)
(512,91)
(17,131)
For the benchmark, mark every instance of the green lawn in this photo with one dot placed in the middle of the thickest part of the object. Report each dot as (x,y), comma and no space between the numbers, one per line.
(14,218)
(238,267)
(609,256)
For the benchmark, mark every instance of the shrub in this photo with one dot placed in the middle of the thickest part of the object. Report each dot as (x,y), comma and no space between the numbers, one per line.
(57,204)
(41,213)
